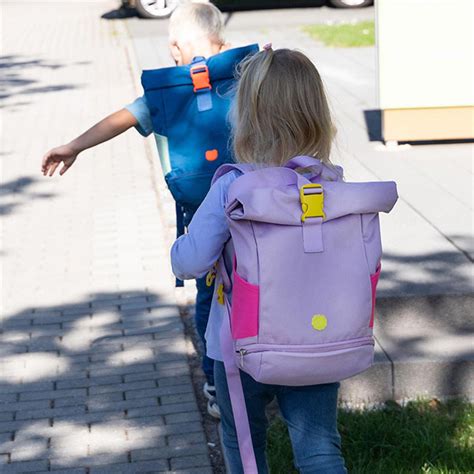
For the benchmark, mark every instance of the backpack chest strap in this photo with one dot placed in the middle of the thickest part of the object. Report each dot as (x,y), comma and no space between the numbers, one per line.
(313,235)
(312,205)
(202,85)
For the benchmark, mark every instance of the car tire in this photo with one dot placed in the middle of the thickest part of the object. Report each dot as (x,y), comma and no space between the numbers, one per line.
(147,10)
(350,3)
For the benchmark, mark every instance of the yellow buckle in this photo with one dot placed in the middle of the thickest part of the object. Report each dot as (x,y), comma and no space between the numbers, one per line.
(220,294)
(211,276)
(312,204)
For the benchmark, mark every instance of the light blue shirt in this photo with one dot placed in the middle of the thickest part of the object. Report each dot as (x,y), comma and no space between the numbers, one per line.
(139,109)
(194,253)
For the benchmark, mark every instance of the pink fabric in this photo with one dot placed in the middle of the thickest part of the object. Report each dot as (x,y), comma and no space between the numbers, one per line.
(244,312)
(373,281)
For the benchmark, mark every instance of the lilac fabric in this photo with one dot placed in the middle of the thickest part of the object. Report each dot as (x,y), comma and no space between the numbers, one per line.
(311,279)
(315,301)
(194,253)
(357,235)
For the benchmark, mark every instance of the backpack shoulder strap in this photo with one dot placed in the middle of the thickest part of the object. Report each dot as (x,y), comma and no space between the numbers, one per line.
(237,396)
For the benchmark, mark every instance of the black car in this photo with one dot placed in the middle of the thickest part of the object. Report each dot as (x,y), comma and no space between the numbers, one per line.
(164,8)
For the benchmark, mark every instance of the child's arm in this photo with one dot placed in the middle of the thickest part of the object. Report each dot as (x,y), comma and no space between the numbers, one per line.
(194,253)
(108,128)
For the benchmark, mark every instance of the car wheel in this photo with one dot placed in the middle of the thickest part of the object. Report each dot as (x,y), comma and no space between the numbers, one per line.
(351,3)
(155,8)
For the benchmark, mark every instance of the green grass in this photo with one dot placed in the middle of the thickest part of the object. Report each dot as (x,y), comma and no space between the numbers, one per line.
(421,437)
(344,35)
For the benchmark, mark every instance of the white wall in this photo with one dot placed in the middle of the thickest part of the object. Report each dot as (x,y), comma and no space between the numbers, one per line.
(425,53)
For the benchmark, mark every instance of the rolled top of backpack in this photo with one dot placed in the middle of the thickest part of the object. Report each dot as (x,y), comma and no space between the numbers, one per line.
(274,194)
(283,206)
(221,67)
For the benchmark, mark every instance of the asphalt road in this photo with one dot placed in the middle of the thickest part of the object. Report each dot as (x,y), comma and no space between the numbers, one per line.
(259,20)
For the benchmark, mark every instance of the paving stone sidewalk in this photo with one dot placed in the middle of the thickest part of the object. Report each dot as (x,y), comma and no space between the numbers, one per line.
(94,374)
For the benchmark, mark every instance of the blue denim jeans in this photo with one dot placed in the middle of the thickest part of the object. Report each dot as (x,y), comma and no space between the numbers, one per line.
(201,317)
(310,413)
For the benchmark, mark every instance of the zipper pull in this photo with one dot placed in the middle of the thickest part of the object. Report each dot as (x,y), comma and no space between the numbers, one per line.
(242,352)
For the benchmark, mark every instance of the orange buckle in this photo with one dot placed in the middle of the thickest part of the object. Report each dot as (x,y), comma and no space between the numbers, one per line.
(200,77)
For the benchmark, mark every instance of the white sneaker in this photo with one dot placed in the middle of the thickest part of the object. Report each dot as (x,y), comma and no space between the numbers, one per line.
(213,409)
(212,406)
(209,391)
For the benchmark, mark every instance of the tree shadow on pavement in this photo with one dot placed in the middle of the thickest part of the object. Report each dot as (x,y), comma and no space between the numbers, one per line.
(19,78)
(425,324)
(16,192)
(437,272)
(97,382)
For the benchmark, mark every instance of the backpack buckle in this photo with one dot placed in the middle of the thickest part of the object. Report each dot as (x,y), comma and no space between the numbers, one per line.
(200,78)
(312,201)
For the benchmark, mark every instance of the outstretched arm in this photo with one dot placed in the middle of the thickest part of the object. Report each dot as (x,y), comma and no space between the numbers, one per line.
(108,128)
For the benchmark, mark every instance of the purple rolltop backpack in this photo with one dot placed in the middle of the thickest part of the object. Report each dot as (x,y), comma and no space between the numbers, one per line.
(300,299)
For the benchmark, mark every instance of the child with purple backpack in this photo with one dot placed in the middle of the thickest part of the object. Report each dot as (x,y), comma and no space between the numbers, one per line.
(296,254)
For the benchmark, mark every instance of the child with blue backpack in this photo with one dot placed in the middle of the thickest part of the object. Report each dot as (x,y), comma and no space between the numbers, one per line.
(296,254)
(185,107)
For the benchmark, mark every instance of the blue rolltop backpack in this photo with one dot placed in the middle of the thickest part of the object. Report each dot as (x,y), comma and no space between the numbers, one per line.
(188,106)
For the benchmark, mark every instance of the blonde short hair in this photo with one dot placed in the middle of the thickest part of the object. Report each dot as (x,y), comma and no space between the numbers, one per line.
(193,21)
(280,110)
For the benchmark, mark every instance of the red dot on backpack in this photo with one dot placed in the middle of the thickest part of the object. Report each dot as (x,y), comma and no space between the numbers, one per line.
(211,155)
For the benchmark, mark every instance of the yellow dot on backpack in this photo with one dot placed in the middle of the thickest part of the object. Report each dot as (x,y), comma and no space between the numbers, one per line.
(319,322)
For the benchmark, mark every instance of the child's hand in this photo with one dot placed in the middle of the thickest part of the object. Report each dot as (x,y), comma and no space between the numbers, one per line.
(65,154)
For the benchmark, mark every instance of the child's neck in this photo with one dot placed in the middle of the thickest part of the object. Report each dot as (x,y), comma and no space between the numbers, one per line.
(209,50)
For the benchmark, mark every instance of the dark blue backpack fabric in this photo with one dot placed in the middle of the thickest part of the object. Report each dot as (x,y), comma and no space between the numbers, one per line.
(193,123)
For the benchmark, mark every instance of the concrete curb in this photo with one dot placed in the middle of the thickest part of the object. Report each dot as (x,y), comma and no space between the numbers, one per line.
(424,349)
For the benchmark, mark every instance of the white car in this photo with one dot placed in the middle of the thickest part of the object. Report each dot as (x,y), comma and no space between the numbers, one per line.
(164,8)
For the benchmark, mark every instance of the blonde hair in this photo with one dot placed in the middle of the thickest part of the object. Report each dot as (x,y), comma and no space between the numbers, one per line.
(280,110)
(196,20)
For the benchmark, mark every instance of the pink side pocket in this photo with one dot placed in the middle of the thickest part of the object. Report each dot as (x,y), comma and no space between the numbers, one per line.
(374,278)
(244,313)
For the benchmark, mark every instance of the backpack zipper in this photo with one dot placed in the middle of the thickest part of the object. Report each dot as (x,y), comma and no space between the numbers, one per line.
(242,352)
(362,341)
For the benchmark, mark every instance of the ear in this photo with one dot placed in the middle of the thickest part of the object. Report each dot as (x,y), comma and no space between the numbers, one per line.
(176,53)
(225,47)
